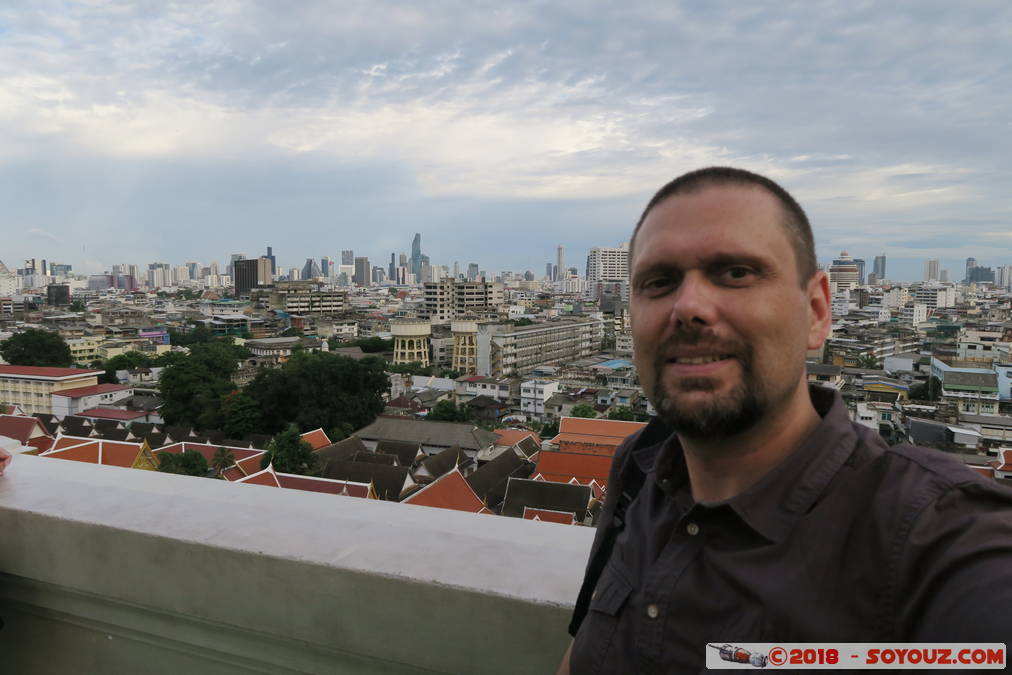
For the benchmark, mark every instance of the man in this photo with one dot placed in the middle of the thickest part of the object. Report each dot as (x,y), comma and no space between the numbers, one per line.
(752,509)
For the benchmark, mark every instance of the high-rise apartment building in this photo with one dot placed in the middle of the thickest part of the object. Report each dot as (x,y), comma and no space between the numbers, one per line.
(416,255)
(326,268)
(844,273)
(560,263)
(932,269)
(392,270)
(880,267)
(274,262)
(608,264)
(449,299)
(244,276)
(860,270)
(311,270)
(472,272)
(348,258)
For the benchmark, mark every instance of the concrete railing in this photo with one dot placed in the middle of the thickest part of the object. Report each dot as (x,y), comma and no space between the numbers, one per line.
(108,570)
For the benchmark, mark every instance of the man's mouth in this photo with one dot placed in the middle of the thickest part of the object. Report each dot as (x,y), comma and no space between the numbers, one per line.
(699,360)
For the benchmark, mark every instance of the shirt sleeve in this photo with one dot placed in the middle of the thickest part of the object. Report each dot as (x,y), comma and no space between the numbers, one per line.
(957,567)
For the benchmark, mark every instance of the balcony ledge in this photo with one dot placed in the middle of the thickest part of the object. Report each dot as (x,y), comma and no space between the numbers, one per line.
(119,570)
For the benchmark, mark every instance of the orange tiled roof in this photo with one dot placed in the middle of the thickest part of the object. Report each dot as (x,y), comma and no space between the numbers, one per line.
(95,451)
(514,436)
(560,467)
(595,431)
(316,438)
(449,491)
(564,517)
(209,450)
(265,477)
(21,428)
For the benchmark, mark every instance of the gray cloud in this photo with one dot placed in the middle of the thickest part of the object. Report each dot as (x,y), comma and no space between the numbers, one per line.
(187,130)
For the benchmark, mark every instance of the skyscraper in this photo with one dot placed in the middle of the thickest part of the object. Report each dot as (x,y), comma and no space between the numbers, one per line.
(932,269)
(245,276)
(325,267)
(231,262)
(560,263)
(363,272)
(880,267)
(608,264)
(392,270)
(416,256)
(860,270)
(970,264)
(347,257)
(311,269)
(844,273)
(274,262)
(472,271)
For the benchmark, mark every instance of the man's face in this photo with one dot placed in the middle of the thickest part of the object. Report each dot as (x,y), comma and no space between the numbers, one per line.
(720,319)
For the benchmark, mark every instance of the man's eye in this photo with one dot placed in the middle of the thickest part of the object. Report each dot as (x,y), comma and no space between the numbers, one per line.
(738,273)
(657,284)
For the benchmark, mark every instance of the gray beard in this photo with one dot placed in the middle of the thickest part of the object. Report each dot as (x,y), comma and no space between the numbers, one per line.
(737,412)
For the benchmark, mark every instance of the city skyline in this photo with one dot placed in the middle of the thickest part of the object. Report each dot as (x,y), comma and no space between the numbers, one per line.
(203,129)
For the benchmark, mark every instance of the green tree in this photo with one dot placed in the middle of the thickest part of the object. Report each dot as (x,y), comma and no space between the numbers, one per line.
(193,390)
(929,391)
(223,458)
(320,390)
(413,368)
(867,361)
(549,430)
(168,359)
(523,321)
(624,413)
(240,415)
(583,410)
(186,463)
(290,454)
(448,411)
(77,306)
(127,361)
(36,347)
(196,335)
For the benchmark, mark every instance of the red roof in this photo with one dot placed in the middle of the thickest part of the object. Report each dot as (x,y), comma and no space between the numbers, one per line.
(514,436)
(209,450)
(265,477)
(21,428)
(564,517)
(112,414)
(41,371)
(316,438)
(91,391)
(95,451)
(595,431)
(449,491)
(290,481)
(560,467)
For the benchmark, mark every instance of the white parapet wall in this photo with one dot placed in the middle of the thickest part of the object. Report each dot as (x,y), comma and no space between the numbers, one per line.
(108,570)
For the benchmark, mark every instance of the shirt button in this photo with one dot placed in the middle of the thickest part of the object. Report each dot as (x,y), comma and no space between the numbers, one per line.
(652,611)
(692,529)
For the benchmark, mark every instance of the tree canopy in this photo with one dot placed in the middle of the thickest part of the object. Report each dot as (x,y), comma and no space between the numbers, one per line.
(448,411)
(929,391)
(583,410)
(290,454)
(193,389)
(186,463)
(36,347)
(320,390)
(624,413)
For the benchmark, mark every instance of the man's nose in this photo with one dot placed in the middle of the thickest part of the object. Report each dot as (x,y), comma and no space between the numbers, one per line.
(694,303)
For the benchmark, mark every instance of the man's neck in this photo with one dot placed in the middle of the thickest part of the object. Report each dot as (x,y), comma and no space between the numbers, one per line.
(725,468)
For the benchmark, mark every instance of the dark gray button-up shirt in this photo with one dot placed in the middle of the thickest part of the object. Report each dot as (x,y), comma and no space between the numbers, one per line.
(847,540)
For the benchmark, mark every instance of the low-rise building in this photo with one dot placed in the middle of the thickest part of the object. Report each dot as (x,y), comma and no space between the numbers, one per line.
(505,350)
(534,394)
(32,387)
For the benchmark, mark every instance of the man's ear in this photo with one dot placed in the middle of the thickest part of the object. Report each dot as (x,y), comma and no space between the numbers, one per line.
(820,309)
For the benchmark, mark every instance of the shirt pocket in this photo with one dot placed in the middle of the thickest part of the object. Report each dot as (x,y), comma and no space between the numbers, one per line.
(594,650)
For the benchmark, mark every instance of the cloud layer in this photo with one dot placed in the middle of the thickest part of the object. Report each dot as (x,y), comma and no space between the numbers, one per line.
(177,131)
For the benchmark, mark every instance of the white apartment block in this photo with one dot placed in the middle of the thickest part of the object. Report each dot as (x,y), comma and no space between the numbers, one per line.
(447,299)
(608,264)
(533,394)
(506,351)
(914,313)
(624,342)
(935,297)
(304,297)
(895,298)
(32,387)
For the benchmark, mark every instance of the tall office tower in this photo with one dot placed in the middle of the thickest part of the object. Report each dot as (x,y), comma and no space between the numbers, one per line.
(232,261)
(311,269)
(608,264)
(402,260)
(45,268)
(362,272)
(880,267)
(970,264)
(528,276)
(378,275)
(392,270)
(245,276)
(213,268)
(932,269)
(347,257)
(193,269)
(980,274)
(325,267)
(274,261)
(456,269)
(416,256)
(402,275)
(860,270)
(1003,277)
(472,271)
(549,269)
(943,276)
(264,275)
(560,263)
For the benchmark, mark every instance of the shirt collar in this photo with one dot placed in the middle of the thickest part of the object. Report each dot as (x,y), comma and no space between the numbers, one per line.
(773,505)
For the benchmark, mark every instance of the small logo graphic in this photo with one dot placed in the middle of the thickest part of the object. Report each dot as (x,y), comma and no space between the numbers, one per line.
(777,656)
(739,655)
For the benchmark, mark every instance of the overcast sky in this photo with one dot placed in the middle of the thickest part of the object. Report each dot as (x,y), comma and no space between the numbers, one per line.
(136,132)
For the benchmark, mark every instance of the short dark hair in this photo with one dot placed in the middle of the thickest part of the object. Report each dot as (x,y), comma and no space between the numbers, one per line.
(796,223)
